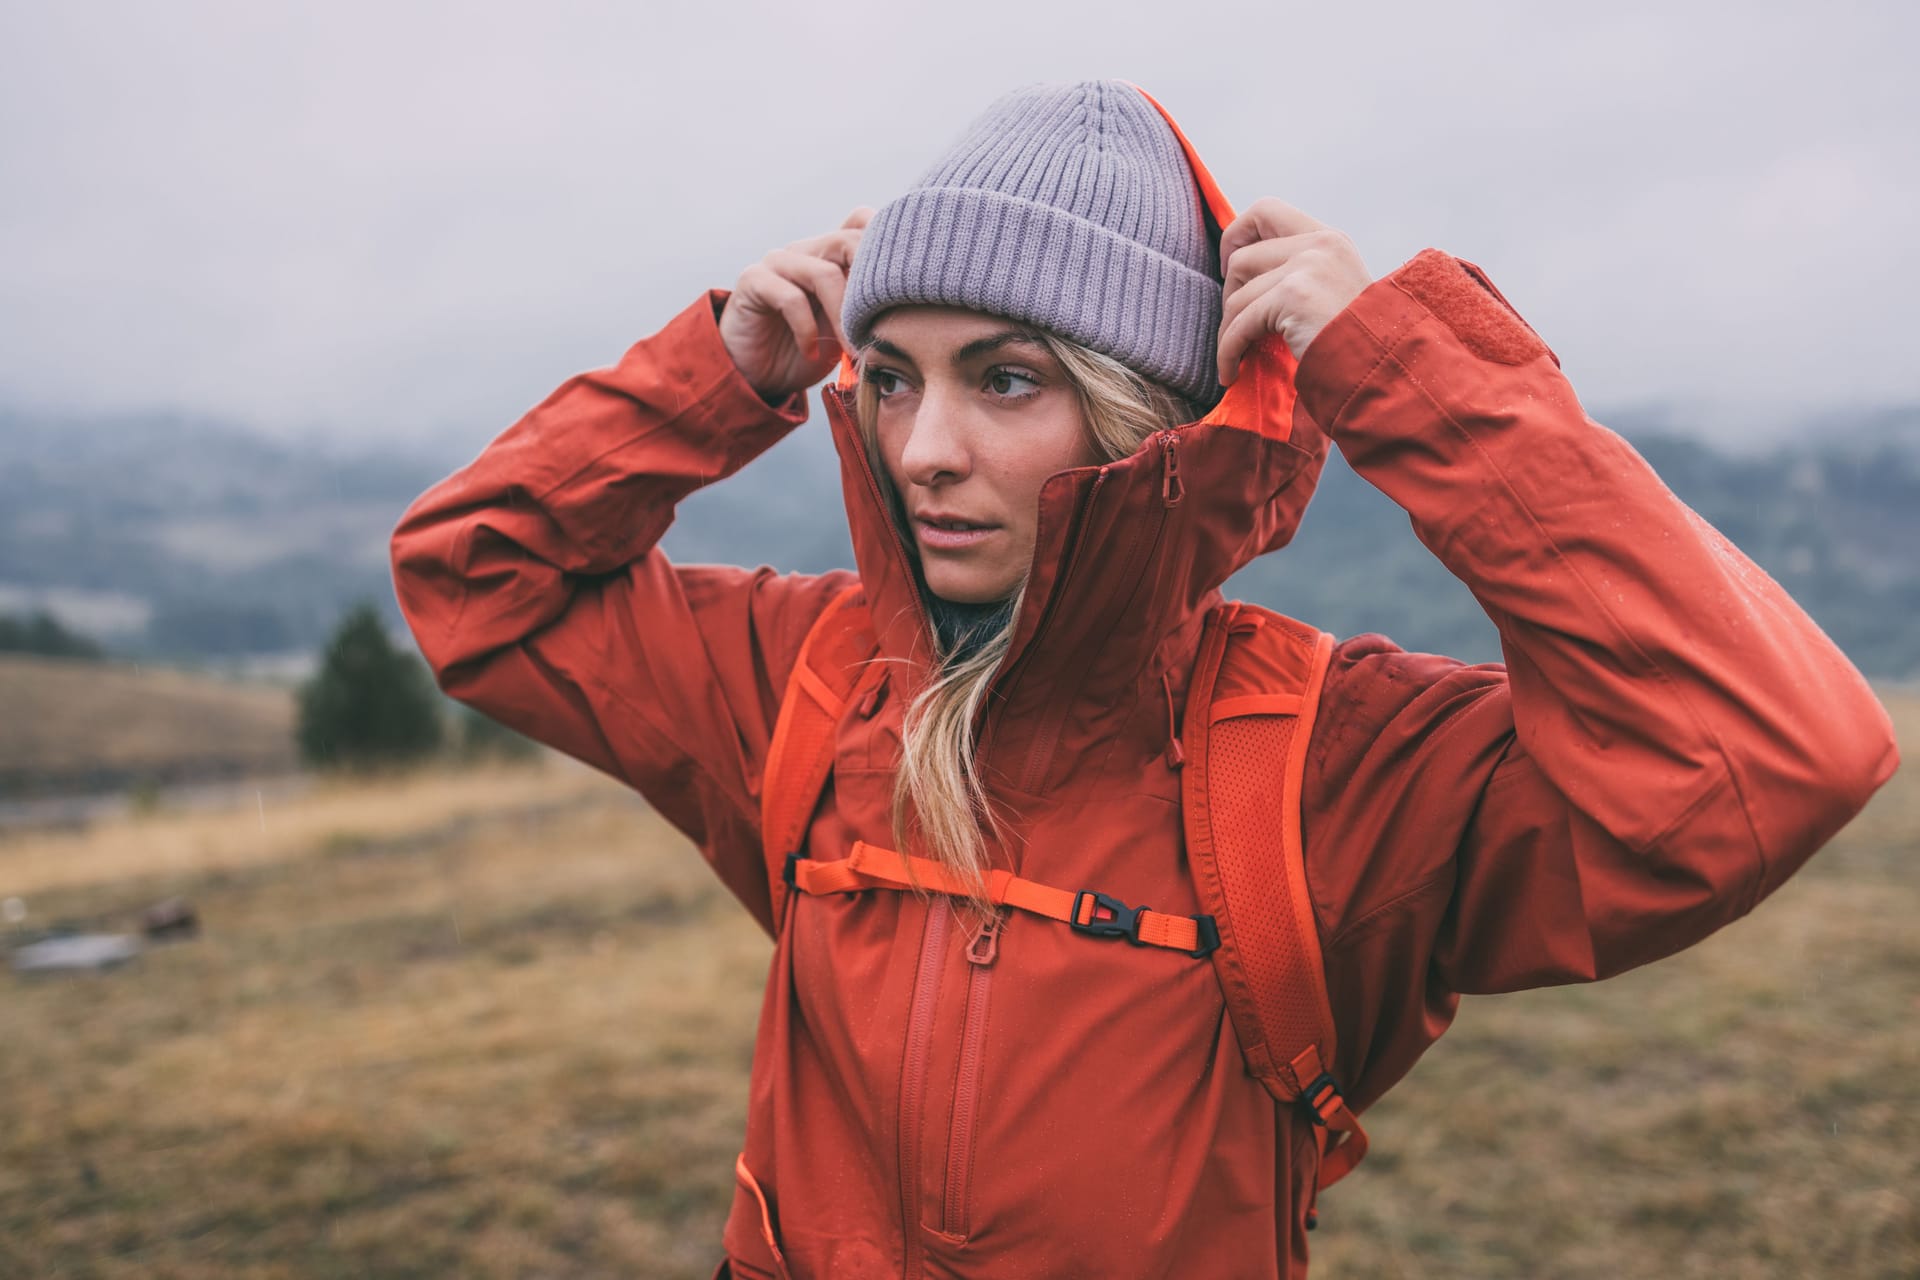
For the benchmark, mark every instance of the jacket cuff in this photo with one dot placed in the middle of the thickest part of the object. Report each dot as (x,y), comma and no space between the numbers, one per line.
(738,422)
(677,384)
(734,387)
(1369,332)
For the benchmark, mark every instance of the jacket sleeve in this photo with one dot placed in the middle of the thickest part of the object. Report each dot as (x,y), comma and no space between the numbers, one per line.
(1669,738)
(533,586)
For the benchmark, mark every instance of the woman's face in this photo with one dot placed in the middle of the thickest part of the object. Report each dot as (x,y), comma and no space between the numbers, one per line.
(973,417)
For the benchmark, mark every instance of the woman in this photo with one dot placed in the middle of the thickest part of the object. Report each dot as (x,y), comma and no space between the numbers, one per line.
(1041,521)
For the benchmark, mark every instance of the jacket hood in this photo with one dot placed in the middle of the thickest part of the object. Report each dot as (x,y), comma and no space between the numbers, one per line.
(1128,554)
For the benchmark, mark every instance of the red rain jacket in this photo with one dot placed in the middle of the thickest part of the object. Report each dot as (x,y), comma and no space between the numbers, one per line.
(1669,738)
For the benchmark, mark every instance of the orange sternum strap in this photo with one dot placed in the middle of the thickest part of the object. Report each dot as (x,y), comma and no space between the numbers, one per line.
(1096,914)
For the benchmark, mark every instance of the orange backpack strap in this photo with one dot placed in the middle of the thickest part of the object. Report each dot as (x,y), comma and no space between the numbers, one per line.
(825,676)
(1250,709)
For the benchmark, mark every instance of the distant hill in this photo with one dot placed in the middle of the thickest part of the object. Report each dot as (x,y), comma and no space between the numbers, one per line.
(176,537)
(78,725)
(185,538)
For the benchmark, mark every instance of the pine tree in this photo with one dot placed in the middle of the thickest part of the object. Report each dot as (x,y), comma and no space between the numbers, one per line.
(44,634)
(369,704)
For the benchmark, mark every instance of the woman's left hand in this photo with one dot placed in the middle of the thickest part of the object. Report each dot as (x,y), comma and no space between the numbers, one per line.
(1286,273)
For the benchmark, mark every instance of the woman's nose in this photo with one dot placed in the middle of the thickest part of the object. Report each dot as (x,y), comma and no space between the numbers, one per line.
(936,450)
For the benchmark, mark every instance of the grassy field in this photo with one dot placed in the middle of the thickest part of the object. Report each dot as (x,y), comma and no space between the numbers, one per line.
(498,1024)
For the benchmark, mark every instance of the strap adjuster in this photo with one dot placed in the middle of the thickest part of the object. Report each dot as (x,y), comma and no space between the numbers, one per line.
(790,871)
(1323,1097)
(1124,924)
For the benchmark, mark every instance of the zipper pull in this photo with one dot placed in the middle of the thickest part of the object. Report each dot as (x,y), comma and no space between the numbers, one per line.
(986,944)
(1171,489)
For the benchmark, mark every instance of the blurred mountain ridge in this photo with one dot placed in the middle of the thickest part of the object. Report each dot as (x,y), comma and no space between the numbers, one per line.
(172,536)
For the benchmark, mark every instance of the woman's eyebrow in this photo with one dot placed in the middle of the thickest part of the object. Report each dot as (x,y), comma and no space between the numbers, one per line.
(979,346)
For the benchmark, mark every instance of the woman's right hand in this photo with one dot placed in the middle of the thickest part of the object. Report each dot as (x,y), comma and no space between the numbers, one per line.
(781,324)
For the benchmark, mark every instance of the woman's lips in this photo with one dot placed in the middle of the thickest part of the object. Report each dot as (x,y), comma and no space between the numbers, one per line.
(938,538)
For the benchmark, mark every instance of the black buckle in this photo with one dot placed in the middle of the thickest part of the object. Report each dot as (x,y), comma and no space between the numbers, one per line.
(1324,1083)
(1125,922)
(1209,936)
(788,871)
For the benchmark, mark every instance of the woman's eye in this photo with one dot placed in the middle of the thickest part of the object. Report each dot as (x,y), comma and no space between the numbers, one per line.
(882,380)
(999,377)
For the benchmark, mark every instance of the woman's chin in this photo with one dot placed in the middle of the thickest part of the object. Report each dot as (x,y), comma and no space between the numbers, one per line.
(956,588)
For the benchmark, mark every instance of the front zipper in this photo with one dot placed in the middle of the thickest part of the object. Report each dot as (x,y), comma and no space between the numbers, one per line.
(913,1078)
(966,1094)
(984,949)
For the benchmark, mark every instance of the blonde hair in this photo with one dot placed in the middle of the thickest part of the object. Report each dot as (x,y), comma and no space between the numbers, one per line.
(937,794)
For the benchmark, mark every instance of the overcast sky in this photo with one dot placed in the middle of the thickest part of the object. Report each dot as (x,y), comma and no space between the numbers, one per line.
(387,221)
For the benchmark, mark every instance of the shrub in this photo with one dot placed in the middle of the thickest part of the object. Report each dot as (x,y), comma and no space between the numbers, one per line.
(370,704)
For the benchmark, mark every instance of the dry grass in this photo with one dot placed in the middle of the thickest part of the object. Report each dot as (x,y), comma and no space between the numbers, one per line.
(499,1025)
(331,815)
(486,1026)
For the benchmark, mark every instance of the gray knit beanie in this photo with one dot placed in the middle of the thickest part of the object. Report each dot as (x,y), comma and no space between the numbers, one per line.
(1069,206)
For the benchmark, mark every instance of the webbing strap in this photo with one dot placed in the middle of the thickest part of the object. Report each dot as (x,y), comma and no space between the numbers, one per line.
(800,755)
(1321,1092)
(872,867)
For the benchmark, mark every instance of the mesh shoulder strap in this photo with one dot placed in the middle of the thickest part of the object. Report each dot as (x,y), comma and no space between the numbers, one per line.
(1250,711)
(800,756)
